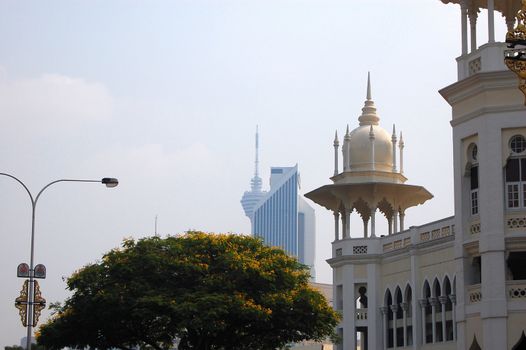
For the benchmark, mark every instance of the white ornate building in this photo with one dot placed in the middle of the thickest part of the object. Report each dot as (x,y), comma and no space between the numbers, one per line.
(460,282)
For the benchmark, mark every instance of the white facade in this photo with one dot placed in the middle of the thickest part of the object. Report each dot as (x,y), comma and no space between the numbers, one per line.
(460,282)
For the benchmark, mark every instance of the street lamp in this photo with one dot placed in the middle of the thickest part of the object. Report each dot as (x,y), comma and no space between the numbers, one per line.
(108,181)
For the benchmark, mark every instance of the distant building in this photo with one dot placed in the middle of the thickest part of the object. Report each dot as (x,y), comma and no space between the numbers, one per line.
(281,217)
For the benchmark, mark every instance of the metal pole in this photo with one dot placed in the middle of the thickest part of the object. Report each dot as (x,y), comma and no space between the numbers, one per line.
(30,289)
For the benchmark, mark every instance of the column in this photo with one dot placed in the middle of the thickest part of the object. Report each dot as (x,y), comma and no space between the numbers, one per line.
(405,307)
(385,321)
(491,21)
(453,299)
(336,226)
(365,224)
(472,14)
(343,223)
(434,303)
(394,309)
(423,304)
(348,223)
(373,212)
(464,26)
(395,222)
(402,216)
(390,226)
(443,300)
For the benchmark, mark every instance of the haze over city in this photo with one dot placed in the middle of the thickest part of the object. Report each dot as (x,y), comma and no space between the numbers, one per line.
(166,96)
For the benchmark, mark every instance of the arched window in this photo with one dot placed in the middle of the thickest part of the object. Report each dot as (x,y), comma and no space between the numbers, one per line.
(515,173)
(475,344)
(474,178)
(427,323)
(449,309)
(521,344)
(408,299)
(388,303)
(437,292)
(398,325)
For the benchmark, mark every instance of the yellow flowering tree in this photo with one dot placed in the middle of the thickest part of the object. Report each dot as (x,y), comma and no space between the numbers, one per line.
(194,291)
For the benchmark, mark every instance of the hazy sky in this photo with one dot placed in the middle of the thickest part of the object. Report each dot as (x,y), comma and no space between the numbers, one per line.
(165,96)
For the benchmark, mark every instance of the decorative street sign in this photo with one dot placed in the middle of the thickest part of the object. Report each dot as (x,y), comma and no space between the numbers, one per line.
(39,303)
(21,303)
(22,270)
(40,271)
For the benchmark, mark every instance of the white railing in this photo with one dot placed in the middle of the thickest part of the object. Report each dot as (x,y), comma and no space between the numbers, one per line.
(361,314)
(415,235)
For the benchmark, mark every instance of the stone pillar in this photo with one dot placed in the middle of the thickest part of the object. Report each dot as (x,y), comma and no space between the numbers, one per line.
(402,216)
(348,223)
(373,212)
(473,14)
(423,304)
(464,26)
(395,221)
(385,322)
(336,226)
(343,223)
(453,299)
(394,309)
(365,224)
(443,301)
(434,303)
(491,21)
(405,308)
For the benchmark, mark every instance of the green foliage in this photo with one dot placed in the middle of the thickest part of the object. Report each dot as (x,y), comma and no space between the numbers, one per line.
(201,291)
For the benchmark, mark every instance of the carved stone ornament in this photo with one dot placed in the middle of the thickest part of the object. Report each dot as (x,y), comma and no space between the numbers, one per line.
(515,56)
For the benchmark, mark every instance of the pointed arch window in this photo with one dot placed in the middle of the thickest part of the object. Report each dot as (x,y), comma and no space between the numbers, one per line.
(521,344)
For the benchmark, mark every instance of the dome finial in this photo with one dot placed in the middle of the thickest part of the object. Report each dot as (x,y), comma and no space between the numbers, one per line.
(369,116)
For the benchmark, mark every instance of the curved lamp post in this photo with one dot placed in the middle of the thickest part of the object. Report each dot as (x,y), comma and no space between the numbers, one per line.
(108,181)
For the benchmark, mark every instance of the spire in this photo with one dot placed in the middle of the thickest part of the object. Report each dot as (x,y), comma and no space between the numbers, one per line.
(369,116)
(256,181)
(401,147)
(256,170)
(368,85)
(336,146)
(393,141)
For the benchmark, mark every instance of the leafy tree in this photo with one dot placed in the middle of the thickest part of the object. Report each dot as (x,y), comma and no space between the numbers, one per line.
(197,291)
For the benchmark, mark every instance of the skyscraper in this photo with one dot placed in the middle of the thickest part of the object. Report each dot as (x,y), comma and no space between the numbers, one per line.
(281,217)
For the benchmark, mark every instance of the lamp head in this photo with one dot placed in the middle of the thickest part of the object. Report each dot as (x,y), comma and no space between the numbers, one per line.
(110,182)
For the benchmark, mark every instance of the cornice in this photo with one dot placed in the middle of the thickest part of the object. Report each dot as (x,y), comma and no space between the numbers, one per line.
(486,110)
(478,83)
